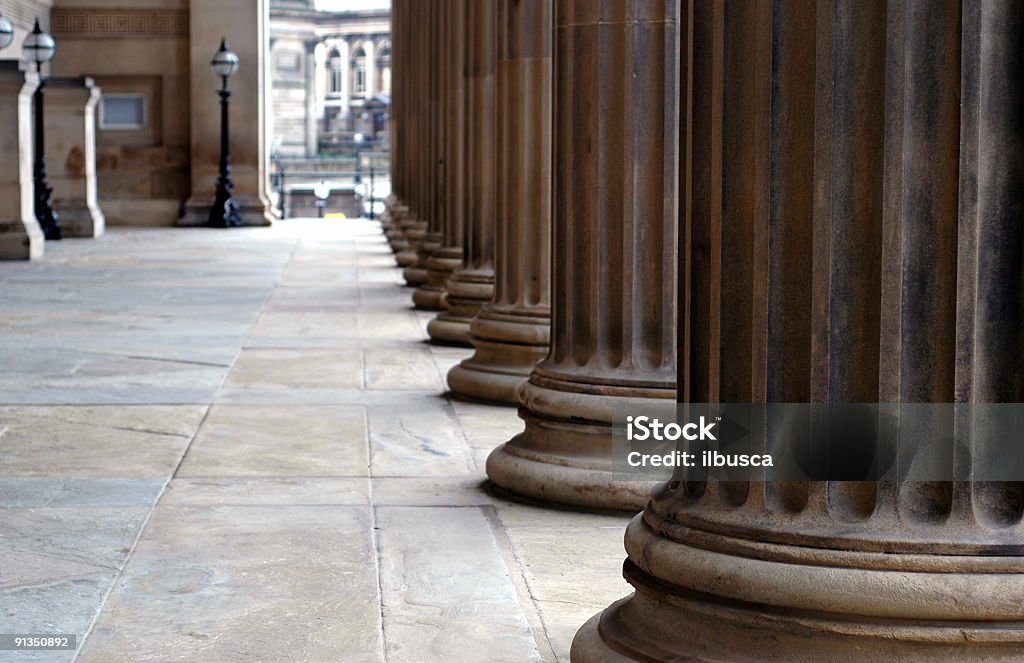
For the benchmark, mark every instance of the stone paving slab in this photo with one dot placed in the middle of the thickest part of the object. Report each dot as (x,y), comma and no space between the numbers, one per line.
(102,441)
(245,583)
(267,491)
(283,369)
(447,594)
(289,441)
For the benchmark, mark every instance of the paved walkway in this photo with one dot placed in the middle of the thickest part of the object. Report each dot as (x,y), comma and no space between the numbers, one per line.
(233,446)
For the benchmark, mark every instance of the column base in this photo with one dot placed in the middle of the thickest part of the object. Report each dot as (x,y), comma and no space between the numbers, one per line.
(588,647)
(565,453)
(414,234)
(21,240)
(428,297)
(564,462)
(253,211)
(449,330)
(416,274)
(466,291)
(81,220)
(693,603)
(440,266)
(508,347)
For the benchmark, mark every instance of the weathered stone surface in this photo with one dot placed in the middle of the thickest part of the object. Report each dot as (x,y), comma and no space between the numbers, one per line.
(231,583)
(20,235)
(613,330)
(447,594)
(287,551)
(882,273)
(246,440)
(511,332)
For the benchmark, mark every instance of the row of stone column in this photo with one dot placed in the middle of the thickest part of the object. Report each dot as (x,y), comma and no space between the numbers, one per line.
(71,150)
(852,232)
(791,202)
(595,311)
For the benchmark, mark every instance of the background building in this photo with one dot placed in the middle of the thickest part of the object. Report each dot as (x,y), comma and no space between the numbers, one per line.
(330,78)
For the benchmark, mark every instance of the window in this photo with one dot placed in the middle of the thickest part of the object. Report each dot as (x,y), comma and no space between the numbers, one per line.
(123,112)
(384,70)
(334,81)
(359,67)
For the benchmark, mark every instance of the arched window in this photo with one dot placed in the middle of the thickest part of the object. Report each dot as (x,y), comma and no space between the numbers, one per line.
(334,80)
(359,71)
(384,70)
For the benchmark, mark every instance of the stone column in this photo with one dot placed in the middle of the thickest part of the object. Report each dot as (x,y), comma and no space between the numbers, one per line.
(20,236)
(243,23)
(394,204)
(854,236)
(430,240)
(446,259)
(616,124)
(472,285)
(313,73)
(510,334)
(413,224)
(71,154)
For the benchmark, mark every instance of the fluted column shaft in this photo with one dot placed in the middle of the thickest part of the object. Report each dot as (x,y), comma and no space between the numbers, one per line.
(416,221)
(444,260)
(511,332)
(397,204)
(616,124)
(424,243)
(429,47)
(854,236)
(472,285)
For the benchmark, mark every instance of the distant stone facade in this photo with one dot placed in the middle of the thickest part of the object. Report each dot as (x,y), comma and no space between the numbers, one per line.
(330,78)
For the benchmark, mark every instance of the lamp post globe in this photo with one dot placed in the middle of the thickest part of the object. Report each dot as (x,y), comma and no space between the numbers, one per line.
(39,47)
(6,32)
(224,213)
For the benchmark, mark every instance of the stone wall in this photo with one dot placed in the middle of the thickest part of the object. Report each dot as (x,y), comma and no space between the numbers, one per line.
(134,47)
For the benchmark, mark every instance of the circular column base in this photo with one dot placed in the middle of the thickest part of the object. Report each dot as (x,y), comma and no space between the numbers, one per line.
(565,462)
(414,276)
(407,256)
(694,604)
(588,647)
(449,330)
(428,297)
(508,348)
(492,383)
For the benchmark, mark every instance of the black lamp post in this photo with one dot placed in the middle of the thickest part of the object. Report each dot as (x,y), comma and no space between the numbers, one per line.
(40,48)
(224,213)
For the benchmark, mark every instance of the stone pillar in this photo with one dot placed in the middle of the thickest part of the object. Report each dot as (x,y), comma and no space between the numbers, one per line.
(510,334)
(412,224)
(71,154)
(370,48)
(395,202)
(472,285)
(446,259)
(20,236)
(430,240)
(616,124)
(243,23)
(854,236)
(312,95)
(420,231)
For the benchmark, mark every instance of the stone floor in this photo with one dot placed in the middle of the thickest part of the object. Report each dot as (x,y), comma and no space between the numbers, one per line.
(235,446)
